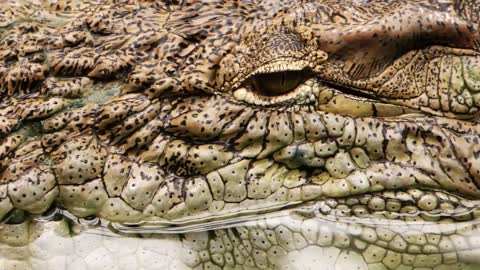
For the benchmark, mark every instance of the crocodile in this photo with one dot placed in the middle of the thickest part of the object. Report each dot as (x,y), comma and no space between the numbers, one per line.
(254,134)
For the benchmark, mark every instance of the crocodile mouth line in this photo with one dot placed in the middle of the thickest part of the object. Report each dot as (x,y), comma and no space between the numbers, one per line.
(325,209)
(418,206)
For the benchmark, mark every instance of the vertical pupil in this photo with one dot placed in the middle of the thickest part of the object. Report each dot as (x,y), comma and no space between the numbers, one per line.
(277,83)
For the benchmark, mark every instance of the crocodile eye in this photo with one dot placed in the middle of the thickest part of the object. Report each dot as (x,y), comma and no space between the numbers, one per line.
(276,83)
(278,88)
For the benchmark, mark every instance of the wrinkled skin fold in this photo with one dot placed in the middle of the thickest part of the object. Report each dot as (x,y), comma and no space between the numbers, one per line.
(245,134)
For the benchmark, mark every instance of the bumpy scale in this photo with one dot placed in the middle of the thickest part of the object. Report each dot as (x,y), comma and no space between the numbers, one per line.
(356,122)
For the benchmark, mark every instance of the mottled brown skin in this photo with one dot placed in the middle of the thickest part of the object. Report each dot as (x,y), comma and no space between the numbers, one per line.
(181,112)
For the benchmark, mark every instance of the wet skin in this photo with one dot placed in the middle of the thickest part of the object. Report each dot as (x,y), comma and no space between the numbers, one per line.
(354,122)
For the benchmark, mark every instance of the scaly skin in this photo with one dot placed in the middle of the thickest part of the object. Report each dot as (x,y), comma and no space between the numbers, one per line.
(355,121)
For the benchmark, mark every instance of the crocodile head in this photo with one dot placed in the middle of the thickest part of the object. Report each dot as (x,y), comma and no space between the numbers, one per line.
(203,114)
